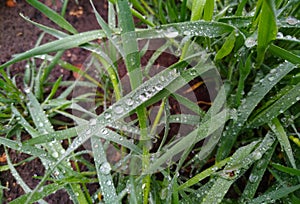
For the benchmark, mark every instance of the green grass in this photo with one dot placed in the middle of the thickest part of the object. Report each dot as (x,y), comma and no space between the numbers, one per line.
(247,140)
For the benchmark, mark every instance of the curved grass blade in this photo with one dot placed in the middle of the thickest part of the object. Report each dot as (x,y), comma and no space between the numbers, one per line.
(204,174)
(278,107)
(17,176)
(284,54)
(61,44)
(53,16)
(227,46)
(26,149)
(56,33)
(240,161)
(275,195)
(267,29)
(255,95)
(103,171)
(288,170)
(256,175)
(283,139)
(47,190)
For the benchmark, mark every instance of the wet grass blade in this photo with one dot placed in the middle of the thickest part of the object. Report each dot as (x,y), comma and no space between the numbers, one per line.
(284,54)
(61,44)
(240,161)
(276,108)
(195,28)
(256,175)
(204,174)
(222,185)
(227,46)
(255,95)
(267,29)
(47,190)
(53,16)
(203,131)
(275,195)
(288,170)
(103,171)
(283,139)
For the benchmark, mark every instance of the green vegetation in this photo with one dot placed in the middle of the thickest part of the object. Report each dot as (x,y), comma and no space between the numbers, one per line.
(243,149)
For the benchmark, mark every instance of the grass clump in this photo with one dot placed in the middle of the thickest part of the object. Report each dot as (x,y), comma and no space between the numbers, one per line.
(241,146)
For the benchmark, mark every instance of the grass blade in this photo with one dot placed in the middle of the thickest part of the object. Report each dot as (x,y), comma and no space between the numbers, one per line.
(284,54)
(47,190)
(204,174)
(61,44)
(240,161)
(267,29)
(227,46)
(255,95)
(283,139)
(256,175)
(279,106)
(276,194)
(288,170)
(103,171)
(53,16)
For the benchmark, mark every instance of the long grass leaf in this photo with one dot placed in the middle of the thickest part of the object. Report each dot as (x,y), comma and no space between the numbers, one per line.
(284,54)
(53,16)
(283,139)
(256,175)
(288,170)
(103,171)
(276,194)
(61,44)
(279,106)
(240,161)
(255,95)
(267,29)
(47,190)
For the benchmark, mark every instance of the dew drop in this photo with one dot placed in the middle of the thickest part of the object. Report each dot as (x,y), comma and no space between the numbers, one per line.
(291,20)
(27,90)
(253,178)
(279,35)
(107,115)
(186,32)
(129,101)
(93,121)
(143,97)
(250,42)
(257,155)
(171,33)
(88,132)
(271,78)
(105,168)
(118,109)
(158,87)
(104,131)
(55,154)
